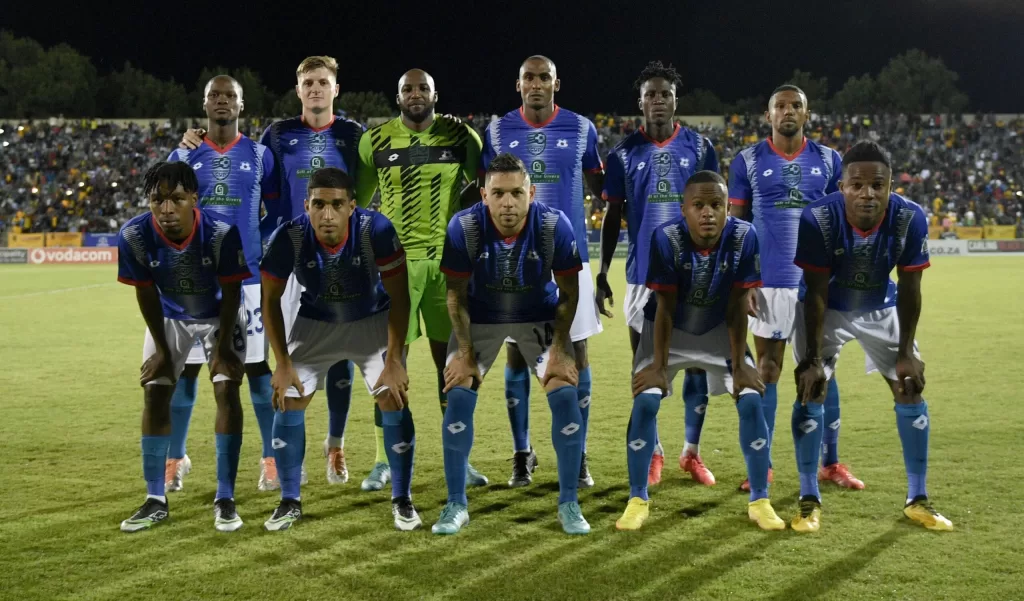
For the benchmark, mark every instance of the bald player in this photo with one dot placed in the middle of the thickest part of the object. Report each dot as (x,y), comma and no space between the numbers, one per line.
(423,165)
(559,149)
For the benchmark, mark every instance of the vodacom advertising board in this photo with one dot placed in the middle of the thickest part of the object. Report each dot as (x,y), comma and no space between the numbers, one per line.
(38,256)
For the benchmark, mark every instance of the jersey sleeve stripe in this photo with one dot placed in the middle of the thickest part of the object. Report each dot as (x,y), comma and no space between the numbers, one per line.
(392,261)
(136,283)
(920,267)
(238,277)
(396,270)
(570,271)
(596,169)
(455,274)
(739,201)
(662,287)
(756,284)
(266,273)
(809,267)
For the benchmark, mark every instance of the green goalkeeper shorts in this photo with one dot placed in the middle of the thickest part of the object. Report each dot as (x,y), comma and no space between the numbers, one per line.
(428,291)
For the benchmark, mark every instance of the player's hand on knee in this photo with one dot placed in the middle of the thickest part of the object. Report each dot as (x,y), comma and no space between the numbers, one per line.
(602,292)
(226,363)
(810,382)
(910,376)
(192,139)
(562,367)
(155,367)
(284,377)
(460,370)
(746,377)
(391,387)
(649,377)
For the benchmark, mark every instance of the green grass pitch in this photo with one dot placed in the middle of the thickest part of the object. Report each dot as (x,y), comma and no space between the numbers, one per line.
(70,339)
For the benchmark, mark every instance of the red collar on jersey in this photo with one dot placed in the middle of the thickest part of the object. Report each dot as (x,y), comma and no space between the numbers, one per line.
(865,234)
(554,114)
(675,132)
(178,245)
(788,157)
(319,129)
(222,149)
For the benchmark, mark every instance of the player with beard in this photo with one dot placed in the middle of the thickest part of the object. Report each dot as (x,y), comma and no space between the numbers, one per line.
(422,164)
(769,184)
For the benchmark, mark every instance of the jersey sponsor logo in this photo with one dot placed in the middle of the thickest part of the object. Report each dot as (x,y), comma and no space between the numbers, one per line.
(317,142)
(221,168)
(662,162)
(447,155)
(539,175)
(536,142)
(792,175)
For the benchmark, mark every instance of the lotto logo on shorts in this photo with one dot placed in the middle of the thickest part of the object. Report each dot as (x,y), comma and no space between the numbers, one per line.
(921,423)
(570,429)
(637,444)
(456,427)
(758,444)
(808,426)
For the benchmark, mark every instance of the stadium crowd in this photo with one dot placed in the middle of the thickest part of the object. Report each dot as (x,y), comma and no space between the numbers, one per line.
(87,176)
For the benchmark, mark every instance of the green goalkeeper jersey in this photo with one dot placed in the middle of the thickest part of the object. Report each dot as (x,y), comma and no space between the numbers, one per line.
(421,176)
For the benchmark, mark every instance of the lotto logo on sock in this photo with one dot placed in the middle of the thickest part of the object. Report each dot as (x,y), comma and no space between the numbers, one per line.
(342,384)
(921,422)
(401,447)
(700,409)
(758,444)
(456,427)
(277,443)
(585,402)
(834,425)
(570,429)
(808,426)
(637,444)
(511,402)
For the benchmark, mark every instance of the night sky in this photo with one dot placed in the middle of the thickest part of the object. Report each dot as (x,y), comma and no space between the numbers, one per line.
(736,49)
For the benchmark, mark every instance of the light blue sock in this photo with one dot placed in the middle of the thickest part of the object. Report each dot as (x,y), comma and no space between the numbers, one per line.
(290,450)
(457,438)
(769,407)
(807,424)
(567,438)
(754,443)
(154,457)
(517,399)
(830,440)
(339,399)
(583,388)
(400,445)
(641,436)
(695,396)
(229,447)
(182,402)
(261,394)
(914,426)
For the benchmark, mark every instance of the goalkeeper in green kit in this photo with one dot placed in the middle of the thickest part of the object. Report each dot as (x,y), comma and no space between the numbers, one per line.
(423,165)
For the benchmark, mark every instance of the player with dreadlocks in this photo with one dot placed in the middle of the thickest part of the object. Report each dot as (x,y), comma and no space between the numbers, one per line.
(644,179)
(187,269)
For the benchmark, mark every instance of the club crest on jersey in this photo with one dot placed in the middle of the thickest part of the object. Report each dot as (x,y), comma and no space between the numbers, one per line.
(791,175)
(536,142)
(221,167)
(662,162)
(418,154)
(446,155)
(533,256)
(317,142)
(207,261)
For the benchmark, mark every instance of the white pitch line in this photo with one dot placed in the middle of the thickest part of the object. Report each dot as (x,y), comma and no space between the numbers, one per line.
(57,291)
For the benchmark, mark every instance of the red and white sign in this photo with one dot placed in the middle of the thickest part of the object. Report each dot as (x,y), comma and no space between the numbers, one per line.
(39,256)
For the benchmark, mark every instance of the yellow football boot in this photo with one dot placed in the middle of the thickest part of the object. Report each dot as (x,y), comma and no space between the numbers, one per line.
(809,519)
(636,512)
(921,511)
(761,511)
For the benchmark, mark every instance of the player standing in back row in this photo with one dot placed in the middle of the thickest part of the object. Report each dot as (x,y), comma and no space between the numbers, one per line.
(301,145)
(422,164)
(559,149)
(847,245)
(235,176)
(647,172)
(769,184)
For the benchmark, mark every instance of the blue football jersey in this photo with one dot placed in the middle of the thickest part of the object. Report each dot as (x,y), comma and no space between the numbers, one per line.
(859,262)
(649,177)
(342,283)
(233,181)
(188,274)
(556,153)
(299,150)
(511,279)
(703,278)
(777,187)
